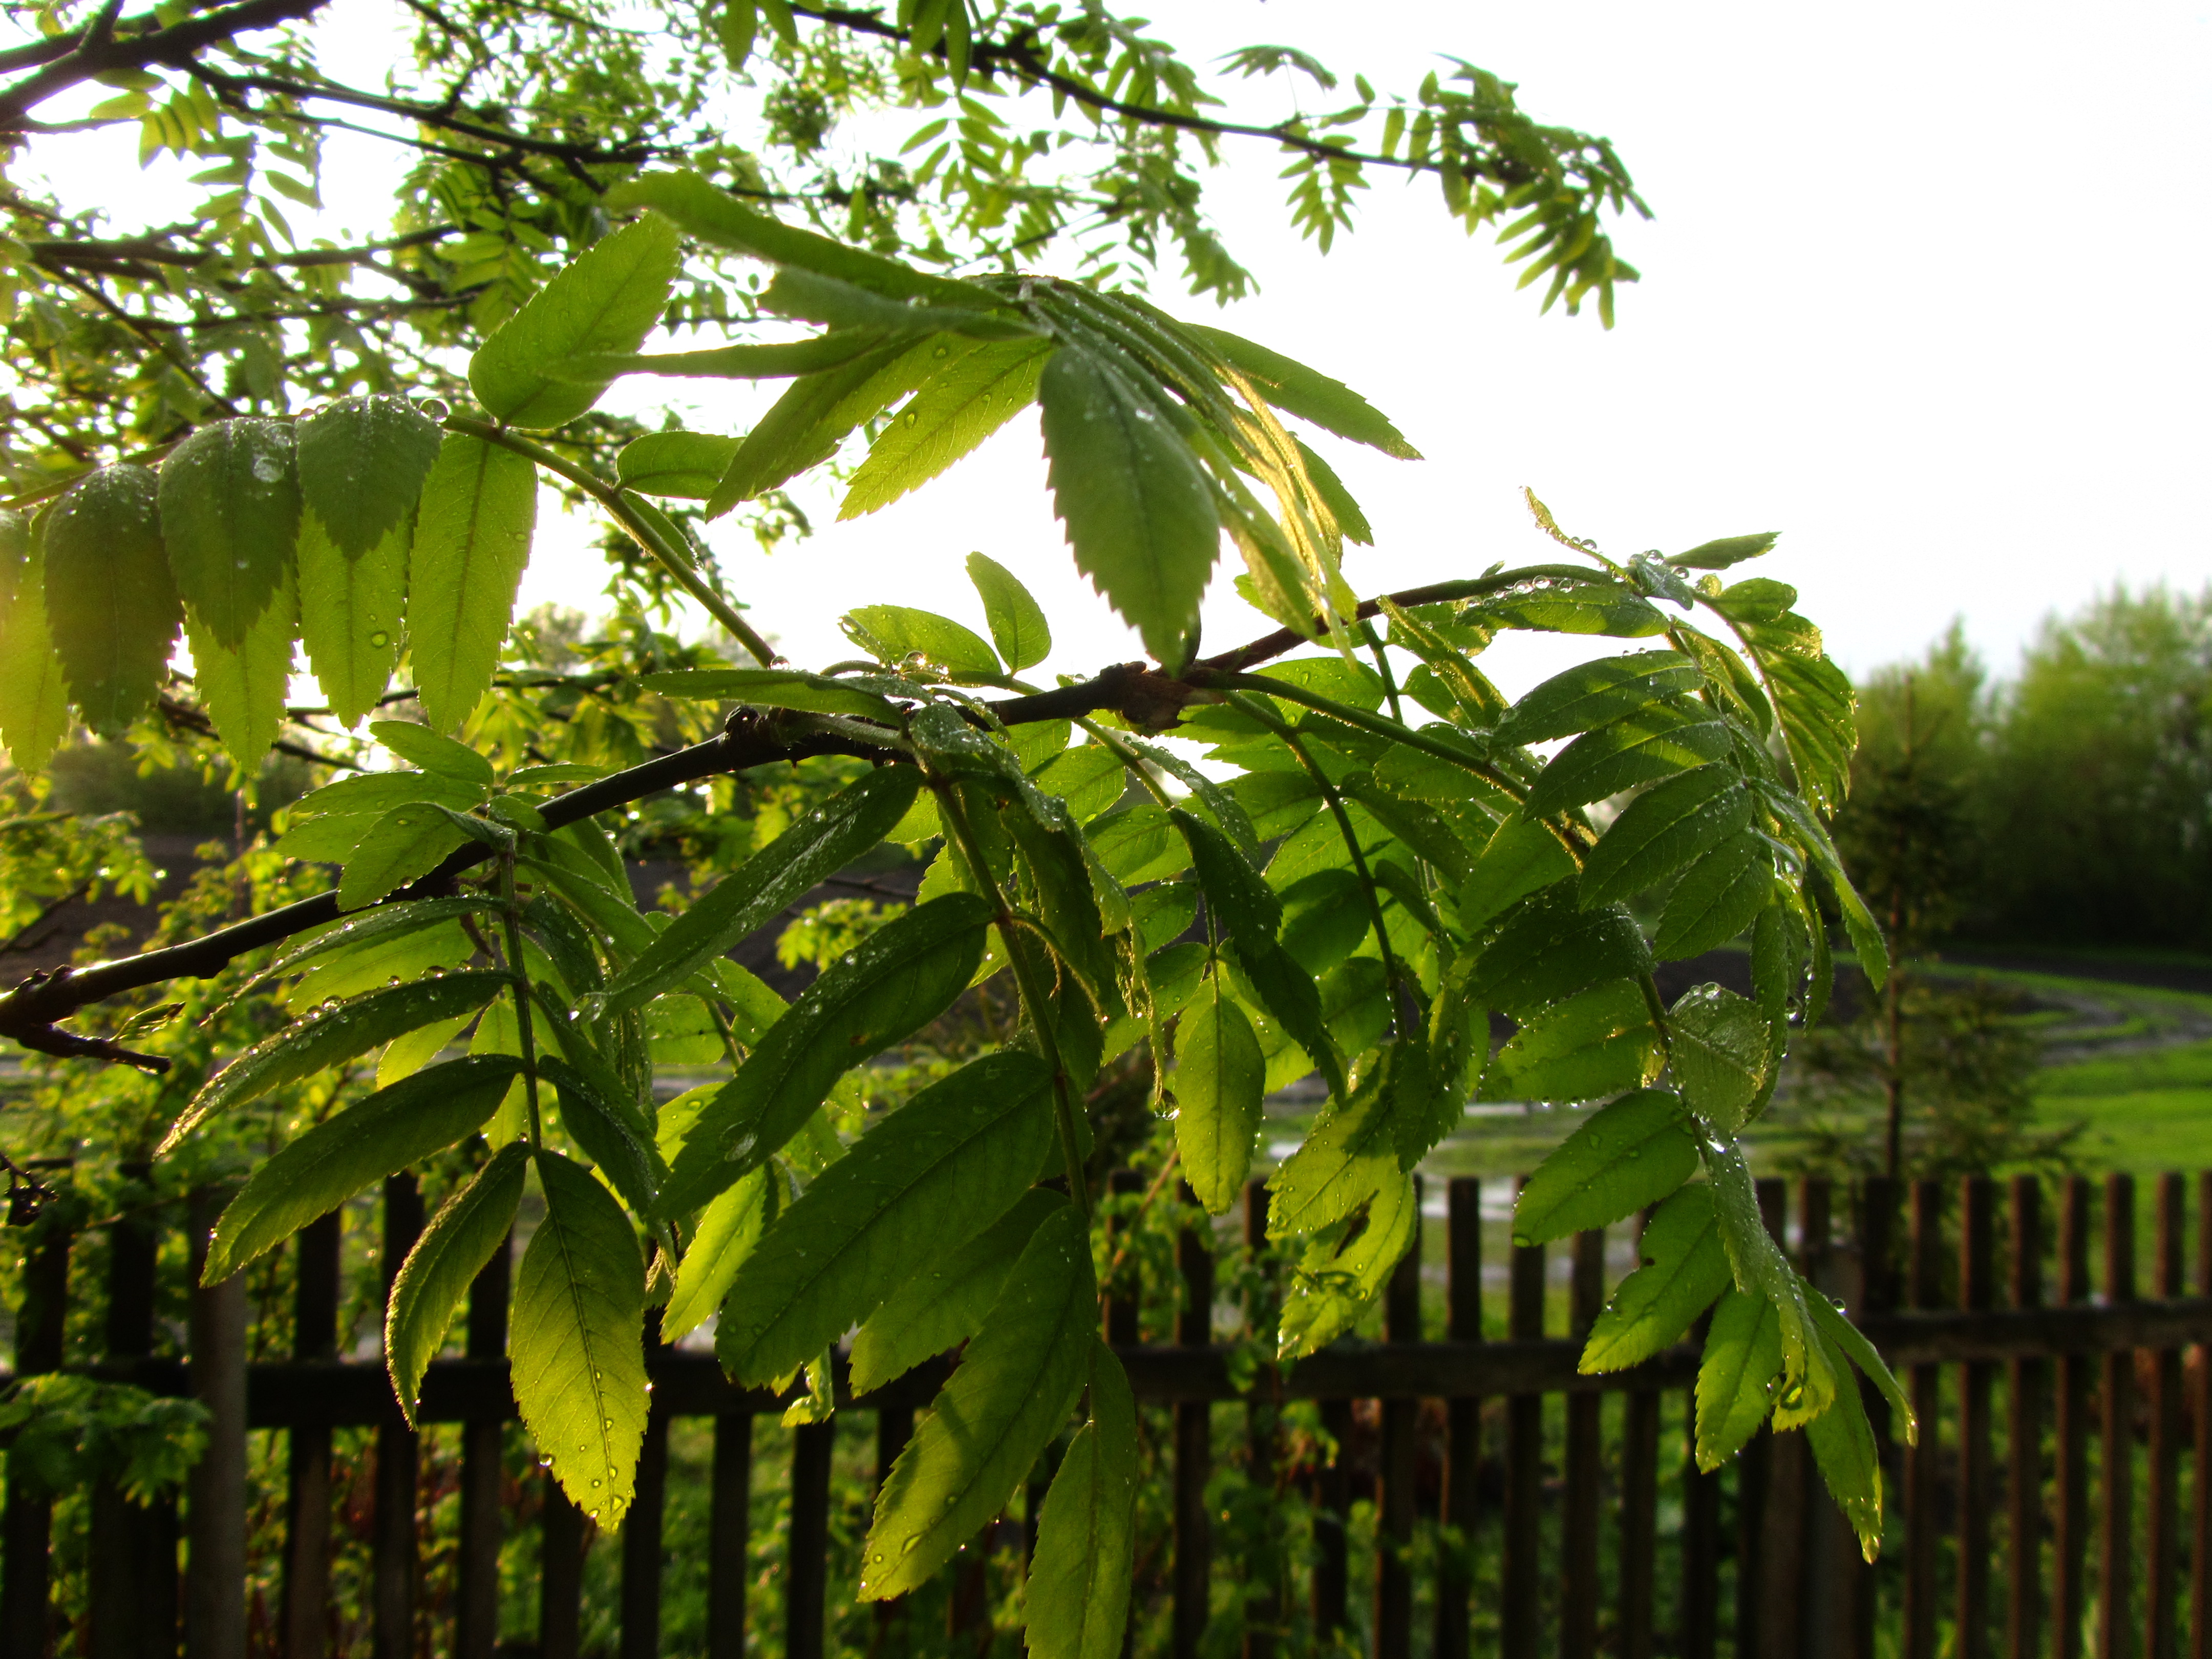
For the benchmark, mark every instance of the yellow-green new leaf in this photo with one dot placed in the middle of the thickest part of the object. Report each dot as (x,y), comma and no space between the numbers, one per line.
(952,412)
(468,1230)
(1737,1377)
(1308,394)
(725,1236)
(404,843)
(682,464)
(578,1349)
(472,538)
(1010,1396)
(230,513)
(1684,1269)
(606,300)
(392,1128)
(245,689)
(1629,1154)
(1079,1588)
(111,606)
(1219,1074)
(1017,621)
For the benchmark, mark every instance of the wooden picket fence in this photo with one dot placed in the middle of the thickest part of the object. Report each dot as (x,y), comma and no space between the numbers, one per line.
(2022,1554)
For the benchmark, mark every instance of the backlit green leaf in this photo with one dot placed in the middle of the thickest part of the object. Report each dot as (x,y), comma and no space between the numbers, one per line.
(1550,949)
(1554,605)
(1522,857)
(1684,1268)
(472,536)
(1308,394)
(1649,743)
(363,462)
(1595,1043)
(1137,507)
(432,751)
(1217,1084)
(313,1175)
(577,1354)
(727,1233)
(606,300)
(1632,1153)
(902,631)
(684,464)
(350,611)
(111,606)
(230,513)
(953,412)
(886,988)
(1010,1396)
(1737,1377)
(1078,1583)
(1719,1050)
(608,1129)
(245,690)
(407,842)
(1663,830)
(1017,621)
(1349,1156)
(469,1228)
(1727,550)
(928,1178)
(772,687)
(1844,1450)
(944,1301)
(1717,897)
(1594,693)
(34,713)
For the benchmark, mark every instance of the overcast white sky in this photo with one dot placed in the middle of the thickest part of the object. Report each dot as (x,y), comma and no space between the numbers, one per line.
(1920,293)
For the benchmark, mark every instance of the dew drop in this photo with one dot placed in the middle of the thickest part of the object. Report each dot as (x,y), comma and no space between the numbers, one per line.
(909,417)
(380,638)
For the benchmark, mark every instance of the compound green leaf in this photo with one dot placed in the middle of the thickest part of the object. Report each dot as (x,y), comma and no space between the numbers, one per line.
(469,1228)
(1351,1154)
(1078,1583)
(931,1176)
(1820,722)
(1760,1269)
(350,611)
(953,412)
(1593,1044)
(1644,744)
(1846,1339)
(230,513)
(820,844)
(1718,898)
(1337,1280)
(1684,1269)
(682,464)
(1844,1450)
(1522,857)
(606,1128)
(392,1128)
(111,606)
(406,842)
(1308,394)
(1218,1081)
(363,462)
(1737,1377)
(1594,693)
(1137,507)
(472,538)
(577,1354)
(1632,1153)
(1663,830)
(886,988)
(1017,621)
(944,1301)
(34,711)
(245,689)
(1554,605)
(1727,550)
(728,1231)
(1719,1050)
(606,300)
(902,631)
(1550,949)
(1009,1397)
(433,751)
(331,1036)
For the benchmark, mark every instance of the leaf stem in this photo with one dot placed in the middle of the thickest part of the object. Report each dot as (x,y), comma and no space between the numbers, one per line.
(526,1039)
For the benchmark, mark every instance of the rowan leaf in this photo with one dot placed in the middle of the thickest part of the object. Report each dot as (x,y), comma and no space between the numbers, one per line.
(951,413)
(1595,694)
(1346,1158)
(682,464)
(1522,857)
(433,752)
(1663,828)
(1550,949)
(887,987)
(1684,1268)
(468,1229)
(825,840)
(1137,507)
(1341,1273)
(606,300)
(351,607)
(728,1231)
(230,513)
(773,688)
(1845,1452)
(577,1351)
(1720,1048)
(111,606)
(928,1178)
(1078,1583)
(901,631)
(363,462)
(1308,394)
(1718,898)
(1727,550)
(943,1302)
(1642,745)
(1010,1396)
(34,708)
(245,689)
(405,843)
(1217,1078)
(472,535)
(1737,1377)
(1592,1044)
(606,1128)
(313,1175)
(1631,1153)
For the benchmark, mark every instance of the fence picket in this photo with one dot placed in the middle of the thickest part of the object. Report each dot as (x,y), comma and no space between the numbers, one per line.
(2071,1544)
(306,1592)
(2200,1484)
(26,1528)
(214,1577)
(2161,1546)
(1263,1598)
(1460,1510)
(1976,1459)
(564,1537)
(1394,1505)
(1923,1533)
(806,1560)
(1520,1604)
(131,1570)
(2116,1433)
(1876,1293)
(641,1527)
(729,1536)
(2025,1384)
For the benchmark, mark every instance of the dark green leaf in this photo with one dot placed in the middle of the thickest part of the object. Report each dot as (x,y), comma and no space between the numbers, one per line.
(1820,722)
(331,1036)
(1554,605)
(1594,693)
(944,1301)
(470,1227)
(1684,1269)
(1522,857)
(1595,1043)
(1551,948)
(685,464)
(1017,621)
(1632,1153)
(392,1128)
(1844,1450)
(931,1176)
(1719,1046)
(1760,1269)
(1649,743)
(820,844)
(1138,505)
(577,1354)
(1217,1084)
(433,752)
(363,462)
(1717,897)
(472,538)
(606,300)
(607,1127)
(1663,830)
(230,514)
(110,607)
(1010,1396)
(1078,1584)
(1309,395)
(889,986)
(954,410)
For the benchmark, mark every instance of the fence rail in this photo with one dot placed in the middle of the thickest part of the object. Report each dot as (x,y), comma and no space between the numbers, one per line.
(2114,1566)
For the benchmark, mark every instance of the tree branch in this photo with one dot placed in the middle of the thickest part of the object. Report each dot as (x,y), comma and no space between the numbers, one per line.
(103,51)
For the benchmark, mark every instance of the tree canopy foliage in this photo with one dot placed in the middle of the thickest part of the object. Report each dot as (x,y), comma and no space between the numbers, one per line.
(1113,946)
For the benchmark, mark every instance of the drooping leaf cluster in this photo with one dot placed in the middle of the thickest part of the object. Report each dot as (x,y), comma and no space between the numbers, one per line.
(1380,854)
